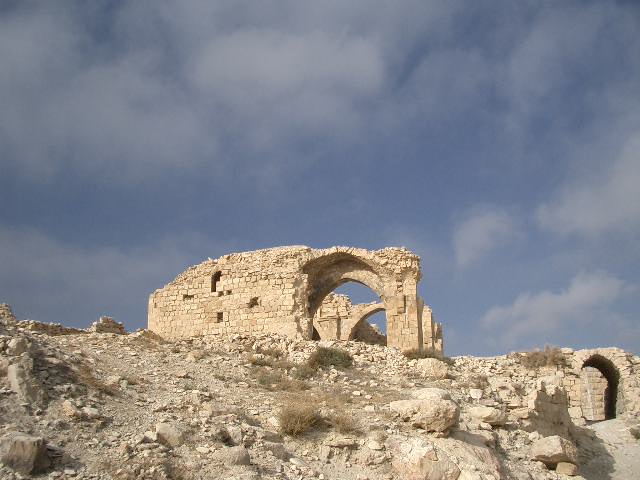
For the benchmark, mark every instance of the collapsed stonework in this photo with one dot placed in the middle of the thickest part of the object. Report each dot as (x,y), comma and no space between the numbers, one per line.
(282,289)
(6,312)
(338,319)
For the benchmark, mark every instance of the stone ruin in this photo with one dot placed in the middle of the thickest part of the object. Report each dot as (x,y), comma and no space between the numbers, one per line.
(288,290)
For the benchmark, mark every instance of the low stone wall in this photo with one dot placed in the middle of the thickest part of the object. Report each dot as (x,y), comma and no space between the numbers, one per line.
(48,328)
(106,325)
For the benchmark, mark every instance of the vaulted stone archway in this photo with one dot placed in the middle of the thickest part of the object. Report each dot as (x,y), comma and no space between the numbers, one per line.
(396,288)
(600,381)
(281,289)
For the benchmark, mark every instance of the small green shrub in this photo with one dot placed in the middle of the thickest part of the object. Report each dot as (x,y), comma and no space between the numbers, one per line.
(325,357)
(296,418)
(549,357)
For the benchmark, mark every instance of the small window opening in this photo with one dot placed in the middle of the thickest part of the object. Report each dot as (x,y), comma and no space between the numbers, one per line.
(253,302)
(220,317)
(215,279)
(187,297)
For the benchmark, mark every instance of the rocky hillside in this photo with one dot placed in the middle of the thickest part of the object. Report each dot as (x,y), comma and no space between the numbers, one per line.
(91,405)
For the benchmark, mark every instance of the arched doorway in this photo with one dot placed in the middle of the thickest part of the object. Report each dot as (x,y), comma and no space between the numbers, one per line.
(393,283)
(345,312)
(600,380)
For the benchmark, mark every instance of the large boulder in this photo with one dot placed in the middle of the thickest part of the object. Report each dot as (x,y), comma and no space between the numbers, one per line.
(169,435)
(24,383)
(418,459)
(432,368)
(485,414)
(548,411)
(432,415)
(24,453)
(553,450)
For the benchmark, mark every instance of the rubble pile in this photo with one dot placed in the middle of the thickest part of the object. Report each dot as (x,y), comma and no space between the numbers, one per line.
(110,405)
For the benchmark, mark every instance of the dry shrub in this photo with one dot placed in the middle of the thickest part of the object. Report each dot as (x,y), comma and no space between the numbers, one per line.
(260,361)
(344,422)
(86,377)
(417,354)
(325,357)
(549,357)
(270,352)
(277,381)
(303,372)
(298,417)
(267,361)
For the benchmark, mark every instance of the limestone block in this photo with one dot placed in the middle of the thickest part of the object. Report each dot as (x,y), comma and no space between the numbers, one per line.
(24,383)
(169,435)
(567,468)
(417,459)
(24,453)
(432,368)
(553,450)
(433,415)
(490,415)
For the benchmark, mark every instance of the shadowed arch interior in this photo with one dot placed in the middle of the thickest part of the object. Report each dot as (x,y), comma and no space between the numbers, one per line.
(327,273)
(612,375)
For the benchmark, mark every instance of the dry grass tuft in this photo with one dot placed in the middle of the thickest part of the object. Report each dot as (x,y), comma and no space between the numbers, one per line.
(549,357)
(325,357)
(344,422)
(277,381)
(298,417)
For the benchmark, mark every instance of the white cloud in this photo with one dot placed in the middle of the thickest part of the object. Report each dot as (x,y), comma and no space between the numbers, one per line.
(545,317)
(480,233)
(598,205)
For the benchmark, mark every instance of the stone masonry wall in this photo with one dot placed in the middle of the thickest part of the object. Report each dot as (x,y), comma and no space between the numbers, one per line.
(6,312)
(280,289)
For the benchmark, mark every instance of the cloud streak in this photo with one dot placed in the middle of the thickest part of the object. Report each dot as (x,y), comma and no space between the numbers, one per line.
(546,316)
(482,232)
(599,205)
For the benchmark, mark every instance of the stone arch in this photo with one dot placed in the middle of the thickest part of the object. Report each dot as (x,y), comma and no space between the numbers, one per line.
(600,400)
(370,334)
(327,273)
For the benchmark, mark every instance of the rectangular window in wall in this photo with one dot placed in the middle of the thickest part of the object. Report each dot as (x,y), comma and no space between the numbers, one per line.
(215,280)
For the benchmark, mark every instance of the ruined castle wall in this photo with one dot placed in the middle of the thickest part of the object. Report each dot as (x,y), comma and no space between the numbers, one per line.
(6,312)
(251,292)
(280,290)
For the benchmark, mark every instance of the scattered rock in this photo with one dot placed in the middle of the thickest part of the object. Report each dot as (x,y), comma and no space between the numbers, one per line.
(432,368)
(567,468)
(233,456)
(24,383)
(433,415)
(417,459)
(490,415)
(169,435)
(24,453)
(553,450)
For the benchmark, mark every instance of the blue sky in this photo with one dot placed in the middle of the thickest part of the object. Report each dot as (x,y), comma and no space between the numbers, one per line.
(499,140)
